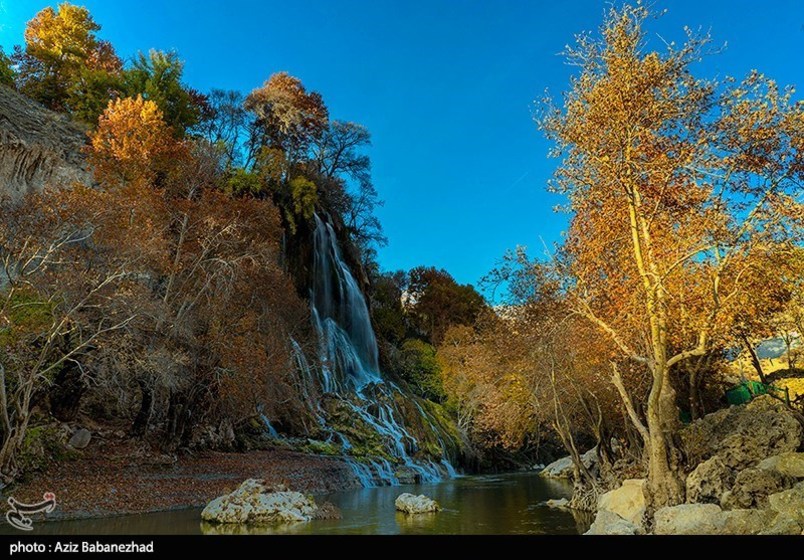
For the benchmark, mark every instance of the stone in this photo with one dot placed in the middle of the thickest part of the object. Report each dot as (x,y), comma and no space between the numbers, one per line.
(790,464)
(743,435)
(609,523)
(744,521)
(783,525)
(80,439)
(253,503)
(562,468)
(411,504)
(560,503)
(628,501)
(709,481)
(789,502)
(688,519)
(38,148)
(752,487)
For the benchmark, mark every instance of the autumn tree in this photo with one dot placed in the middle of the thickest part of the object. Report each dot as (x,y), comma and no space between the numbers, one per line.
(64,65)
(288,117)
(436,302)
(131,143)
(674,182)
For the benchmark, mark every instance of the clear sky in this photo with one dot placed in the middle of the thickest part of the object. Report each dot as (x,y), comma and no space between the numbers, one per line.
(445,86)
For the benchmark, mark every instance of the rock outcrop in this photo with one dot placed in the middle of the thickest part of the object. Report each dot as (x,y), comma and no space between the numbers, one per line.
(628,501)
(742,436)
(38,148)
(255,504)
(608,523)
(411,504)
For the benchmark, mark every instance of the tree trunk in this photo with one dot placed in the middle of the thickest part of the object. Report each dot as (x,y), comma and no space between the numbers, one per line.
(662,415)
(754,358)
(65,397)
(140,425)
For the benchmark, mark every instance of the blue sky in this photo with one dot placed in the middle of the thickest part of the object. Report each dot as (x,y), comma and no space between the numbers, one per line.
(445,86)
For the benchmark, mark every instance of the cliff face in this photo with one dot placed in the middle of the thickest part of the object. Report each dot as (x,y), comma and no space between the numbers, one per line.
(38,148)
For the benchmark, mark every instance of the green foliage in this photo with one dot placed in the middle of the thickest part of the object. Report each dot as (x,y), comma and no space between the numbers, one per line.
(6,71)
(304,195)
(27,315)
(421,369)
(88,95)
(243,182)
(158,78)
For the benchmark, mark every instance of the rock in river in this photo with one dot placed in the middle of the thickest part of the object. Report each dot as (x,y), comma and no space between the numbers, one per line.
(254,503)
(410,504)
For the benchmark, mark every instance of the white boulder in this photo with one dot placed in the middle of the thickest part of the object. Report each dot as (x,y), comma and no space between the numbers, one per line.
(410,504)
(254,503)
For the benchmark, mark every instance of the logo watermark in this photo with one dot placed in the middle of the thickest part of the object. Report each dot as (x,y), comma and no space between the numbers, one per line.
(17,516)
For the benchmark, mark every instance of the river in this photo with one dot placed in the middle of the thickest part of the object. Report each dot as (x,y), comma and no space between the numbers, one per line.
(492,504)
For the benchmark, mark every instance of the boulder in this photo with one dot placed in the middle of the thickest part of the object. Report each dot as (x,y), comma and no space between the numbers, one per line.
(744,435)
(783,525)
(410,504)
(752,487)
(80,439)
(609,523)
(709,481)
(254,503)
(688,519)
(628,501)
(744,521)
(789,464)
(789,502)
(560,503)
(562,468)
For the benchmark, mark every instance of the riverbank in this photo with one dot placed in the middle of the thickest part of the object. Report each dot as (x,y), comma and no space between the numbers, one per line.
(121,480)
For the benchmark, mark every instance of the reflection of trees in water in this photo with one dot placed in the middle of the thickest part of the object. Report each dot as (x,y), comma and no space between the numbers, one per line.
(416,523)
(583,519)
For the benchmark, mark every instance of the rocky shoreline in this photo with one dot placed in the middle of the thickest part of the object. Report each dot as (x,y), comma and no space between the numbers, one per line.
(122,482)
(744,476)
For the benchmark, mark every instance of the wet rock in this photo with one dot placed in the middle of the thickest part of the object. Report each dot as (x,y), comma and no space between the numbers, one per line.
(80,439)
(709,481)
(752,487)
(560,503)
(254,503)
(609,523)
(789,502)
(628,501)
(410,504)
(688,519)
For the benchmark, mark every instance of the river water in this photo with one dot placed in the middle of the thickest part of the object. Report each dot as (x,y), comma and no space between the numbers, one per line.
(494,504)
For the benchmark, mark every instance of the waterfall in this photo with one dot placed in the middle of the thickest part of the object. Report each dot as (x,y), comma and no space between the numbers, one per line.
(349,369)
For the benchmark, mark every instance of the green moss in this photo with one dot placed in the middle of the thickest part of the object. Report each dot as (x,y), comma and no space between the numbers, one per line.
(320,447)
(42,446)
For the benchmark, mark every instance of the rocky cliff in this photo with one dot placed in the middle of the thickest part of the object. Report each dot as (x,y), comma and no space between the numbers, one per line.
(38,148)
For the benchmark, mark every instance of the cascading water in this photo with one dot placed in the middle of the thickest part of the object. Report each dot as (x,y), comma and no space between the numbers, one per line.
(349,370)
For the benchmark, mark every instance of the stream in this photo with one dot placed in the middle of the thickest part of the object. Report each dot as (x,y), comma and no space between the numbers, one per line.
(491,504)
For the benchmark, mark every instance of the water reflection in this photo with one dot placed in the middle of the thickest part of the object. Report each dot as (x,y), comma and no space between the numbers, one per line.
(507,504)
